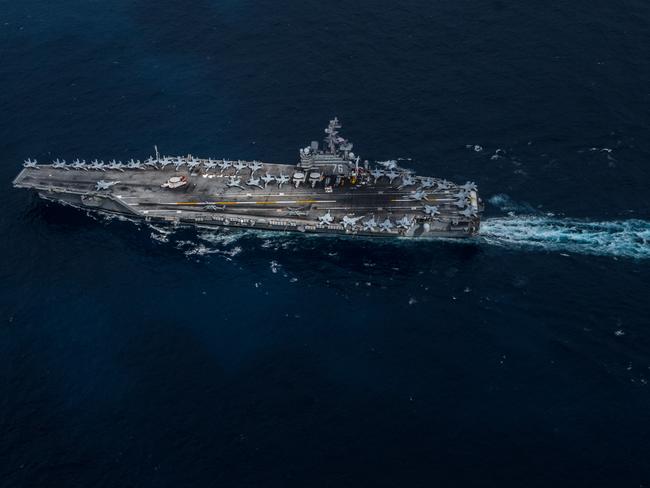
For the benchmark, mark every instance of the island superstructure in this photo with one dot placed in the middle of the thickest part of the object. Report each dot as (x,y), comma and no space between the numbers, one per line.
(329,190)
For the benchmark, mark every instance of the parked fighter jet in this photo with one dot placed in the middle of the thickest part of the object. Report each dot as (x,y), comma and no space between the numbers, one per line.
(386,225)
(60,165)
(104,185)
(239,165)
(377,173)
(254,182)
(350,221)
(391,176)
(118,165)
(391,164)
(225,164)
(281,179)
(443,184)
(370,224)
(214,208)
(469,186)
(134,165)
(33,164)
(431,210)
(296,212)
(234,181)
(267,178)
(407,180)
(179,162)
(461,203)
(418,195)
(325,219)
(405,222)
(426,183)
(209,165)
(193,163)
(468,212)
(151,162)
(255,166)
(461,195)
(79,165)
(165,162)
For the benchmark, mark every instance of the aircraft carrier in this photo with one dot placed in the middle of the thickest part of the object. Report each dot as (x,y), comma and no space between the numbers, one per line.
(329,190)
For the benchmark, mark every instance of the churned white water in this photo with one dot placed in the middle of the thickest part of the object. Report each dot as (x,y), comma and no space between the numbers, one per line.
(619,238)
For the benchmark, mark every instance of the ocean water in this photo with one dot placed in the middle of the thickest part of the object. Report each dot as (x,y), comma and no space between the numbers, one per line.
(135,355)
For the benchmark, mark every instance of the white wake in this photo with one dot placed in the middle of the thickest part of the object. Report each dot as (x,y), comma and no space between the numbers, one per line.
(618,238)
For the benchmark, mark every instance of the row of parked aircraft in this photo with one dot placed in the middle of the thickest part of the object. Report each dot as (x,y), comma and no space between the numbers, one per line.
(371,224)
(160,163)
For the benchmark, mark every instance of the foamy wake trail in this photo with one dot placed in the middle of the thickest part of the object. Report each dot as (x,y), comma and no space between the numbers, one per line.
(620,238)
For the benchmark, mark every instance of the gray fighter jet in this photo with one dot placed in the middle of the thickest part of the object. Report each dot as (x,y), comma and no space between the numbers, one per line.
(296,212)
(60,165)
(234,181)
(193,163)
(443,184)
(180,162)
(32,164)
(151,162)
(369,224)
(391,164)
(468,212)
(134,165)
(386,225)
(166,162)
(325,219)
(101,166)
(114,165)
(254,182)
(267,178)
(215,208)
(255,166)
(209,165)
(405,222)
(239,165)
(377,173)
(281,179)
(350,221)
(79,165)
(461,195)
(418,195)
(407,180)
(469,186)
(392,175)
(431,210)
(104,185)
(461,203)
(225,164)
(426,183)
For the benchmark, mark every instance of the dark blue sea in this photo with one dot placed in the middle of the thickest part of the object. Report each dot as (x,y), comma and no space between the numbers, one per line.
(150,356)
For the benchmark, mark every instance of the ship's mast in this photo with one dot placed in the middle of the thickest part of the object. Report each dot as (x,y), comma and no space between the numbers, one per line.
(334,142)
(332,132)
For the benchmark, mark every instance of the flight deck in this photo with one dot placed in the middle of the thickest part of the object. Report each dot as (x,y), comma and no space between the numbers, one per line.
(328,191)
